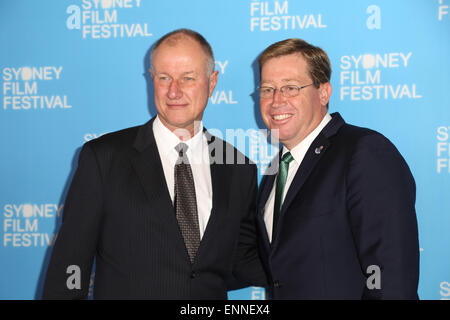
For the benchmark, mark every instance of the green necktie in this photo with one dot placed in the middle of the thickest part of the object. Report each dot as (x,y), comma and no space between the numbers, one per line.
(281,181)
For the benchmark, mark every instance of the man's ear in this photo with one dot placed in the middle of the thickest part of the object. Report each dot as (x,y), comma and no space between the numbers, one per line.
(213,78)
(325,91)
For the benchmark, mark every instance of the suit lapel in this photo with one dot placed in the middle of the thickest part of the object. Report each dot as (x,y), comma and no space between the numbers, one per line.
(312,157)
(266,186)
(220,176)
(147,164)
(219,172)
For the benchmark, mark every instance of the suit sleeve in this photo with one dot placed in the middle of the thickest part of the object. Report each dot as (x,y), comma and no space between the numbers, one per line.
(71,262)
(247,266)
(381,206)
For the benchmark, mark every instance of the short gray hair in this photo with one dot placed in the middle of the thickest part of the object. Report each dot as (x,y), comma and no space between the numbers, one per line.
(176,35)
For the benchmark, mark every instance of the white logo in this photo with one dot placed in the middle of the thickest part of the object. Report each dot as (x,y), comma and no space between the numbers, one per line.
(443,149)
(274,16)
(258,293)
(374,20)
(21,224)
(374,280)
(360,77)
(252,141)
(262,150)
(445,290)
(74,280)
(100,19)
(91,136)
(442,10)
(21,91)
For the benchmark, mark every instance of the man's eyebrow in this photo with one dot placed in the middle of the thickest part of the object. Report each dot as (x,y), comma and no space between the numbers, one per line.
(283,80)
(289,80)
(159,73)
(266,81)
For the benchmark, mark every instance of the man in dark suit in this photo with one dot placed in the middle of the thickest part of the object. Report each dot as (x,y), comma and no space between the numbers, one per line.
(338,219)
(163,212)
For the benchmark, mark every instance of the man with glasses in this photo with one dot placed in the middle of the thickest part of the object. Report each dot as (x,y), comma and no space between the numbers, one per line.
(338,219)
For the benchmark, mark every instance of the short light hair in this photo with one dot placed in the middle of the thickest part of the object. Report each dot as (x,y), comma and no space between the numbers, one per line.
(317,60)
(180,33)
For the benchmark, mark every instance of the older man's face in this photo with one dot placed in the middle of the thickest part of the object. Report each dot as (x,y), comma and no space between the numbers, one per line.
(182,84)
(294,117)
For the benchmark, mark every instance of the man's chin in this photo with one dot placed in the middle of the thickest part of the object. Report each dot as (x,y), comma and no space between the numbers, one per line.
(278,132)
(284,137)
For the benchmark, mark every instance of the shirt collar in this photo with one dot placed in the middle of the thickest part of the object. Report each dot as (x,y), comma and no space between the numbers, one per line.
(167,140)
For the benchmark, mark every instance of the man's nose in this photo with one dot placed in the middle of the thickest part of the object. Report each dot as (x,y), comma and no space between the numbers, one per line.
(174,91)
(278,99)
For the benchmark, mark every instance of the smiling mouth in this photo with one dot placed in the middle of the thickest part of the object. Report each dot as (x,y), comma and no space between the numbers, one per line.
(279,117)
(176,105)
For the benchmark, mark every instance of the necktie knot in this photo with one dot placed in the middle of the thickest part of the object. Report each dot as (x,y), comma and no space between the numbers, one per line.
(287,158)
(181,148)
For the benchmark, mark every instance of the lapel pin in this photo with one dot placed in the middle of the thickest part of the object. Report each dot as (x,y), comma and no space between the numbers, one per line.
(318,150)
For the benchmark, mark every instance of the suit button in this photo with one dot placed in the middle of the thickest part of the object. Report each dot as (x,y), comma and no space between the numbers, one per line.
(277,284)
(193,275)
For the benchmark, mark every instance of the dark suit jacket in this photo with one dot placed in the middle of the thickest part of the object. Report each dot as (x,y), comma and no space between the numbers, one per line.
(119,211)
(350,206)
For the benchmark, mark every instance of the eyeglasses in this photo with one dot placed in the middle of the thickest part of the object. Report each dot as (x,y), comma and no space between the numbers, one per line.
(288,91)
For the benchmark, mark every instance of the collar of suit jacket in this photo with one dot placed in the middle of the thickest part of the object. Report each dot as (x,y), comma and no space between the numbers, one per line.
(328,131)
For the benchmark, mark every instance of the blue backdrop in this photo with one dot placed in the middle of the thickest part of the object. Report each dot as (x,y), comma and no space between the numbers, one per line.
(72,70)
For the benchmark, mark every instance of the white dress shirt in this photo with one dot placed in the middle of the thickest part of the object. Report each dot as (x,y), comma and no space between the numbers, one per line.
(198,157)
(298,153)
